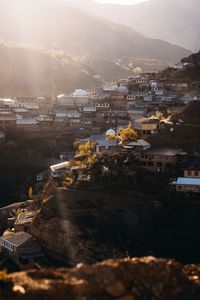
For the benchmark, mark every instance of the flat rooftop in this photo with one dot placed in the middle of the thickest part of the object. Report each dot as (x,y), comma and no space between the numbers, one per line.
(188,181)
(17,238)
(163,151)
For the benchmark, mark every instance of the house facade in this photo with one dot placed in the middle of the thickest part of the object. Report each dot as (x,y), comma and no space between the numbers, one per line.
(106,145)
(146,126)
(187,184)
(161,159)
(193,171)
(22,248)
(7,119)
(24,221)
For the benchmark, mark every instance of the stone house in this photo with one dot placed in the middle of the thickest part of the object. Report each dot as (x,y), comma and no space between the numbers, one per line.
(193,171)
(22,248)
(161,159)
(27,124)
(187,184)
(106,145)
(147,126)
(7,119)
(24,221)
(137,145)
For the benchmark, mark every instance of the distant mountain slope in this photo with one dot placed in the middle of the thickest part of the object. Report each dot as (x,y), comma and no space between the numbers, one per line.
(88,38)
(176,21)
(191,70)
(30,71)
(194,59)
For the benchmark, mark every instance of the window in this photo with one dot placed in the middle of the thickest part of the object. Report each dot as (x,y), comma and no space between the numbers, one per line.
(189,173)
(196,173)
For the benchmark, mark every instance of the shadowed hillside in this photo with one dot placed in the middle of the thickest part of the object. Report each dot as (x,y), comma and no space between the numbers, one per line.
(99,47)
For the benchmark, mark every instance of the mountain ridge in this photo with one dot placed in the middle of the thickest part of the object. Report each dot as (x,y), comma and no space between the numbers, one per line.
(173,21)
(102,47)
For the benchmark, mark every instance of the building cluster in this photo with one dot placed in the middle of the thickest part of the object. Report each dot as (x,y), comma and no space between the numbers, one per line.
(102,113)
(112,105)
(160,160)
(18,243)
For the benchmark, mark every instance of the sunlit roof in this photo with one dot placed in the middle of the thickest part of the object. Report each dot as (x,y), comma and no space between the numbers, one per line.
(80,93)
(188,181)
(60,166)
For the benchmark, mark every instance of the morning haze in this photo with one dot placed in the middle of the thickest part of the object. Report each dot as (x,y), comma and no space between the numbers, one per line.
(99,149)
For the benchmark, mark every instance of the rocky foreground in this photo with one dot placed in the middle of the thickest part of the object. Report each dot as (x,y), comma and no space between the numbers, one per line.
(125,279)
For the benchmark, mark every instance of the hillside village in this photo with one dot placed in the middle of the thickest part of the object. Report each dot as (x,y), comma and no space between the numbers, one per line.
(116,128)
(99,150)
(113,105)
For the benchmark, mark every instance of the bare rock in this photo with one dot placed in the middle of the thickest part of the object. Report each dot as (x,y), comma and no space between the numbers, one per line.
(138,279)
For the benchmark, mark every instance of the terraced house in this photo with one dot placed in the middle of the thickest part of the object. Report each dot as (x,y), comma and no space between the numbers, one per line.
(161,159)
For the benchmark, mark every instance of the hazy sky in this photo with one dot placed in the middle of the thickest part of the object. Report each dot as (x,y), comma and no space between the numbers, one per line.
(125,2)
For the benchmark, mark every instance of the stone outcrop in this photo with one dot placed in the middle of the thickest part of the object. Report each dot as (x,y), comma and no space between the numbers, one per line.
(133,279)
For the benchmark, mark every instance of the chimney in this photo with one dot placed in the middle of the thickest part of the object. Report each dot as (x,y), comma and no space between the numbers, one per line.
(54,98)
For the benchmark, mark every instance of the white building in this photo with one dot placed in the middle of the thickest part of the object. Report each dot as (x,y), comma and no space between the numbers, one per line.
(80,93)
(33,106)
(178,66)
(123,90)
(89,109)
(68,114)
(159,92)
(109,88)
(65,100)
(10,102)
(27,121)
(81,97)
(45,118)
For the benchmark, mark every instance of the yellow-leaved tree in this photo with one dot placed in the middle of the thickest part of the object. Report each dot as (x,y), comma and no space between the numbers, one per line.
(111,137)
(86,149)
(137,71)
(128,134)
(159,116)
